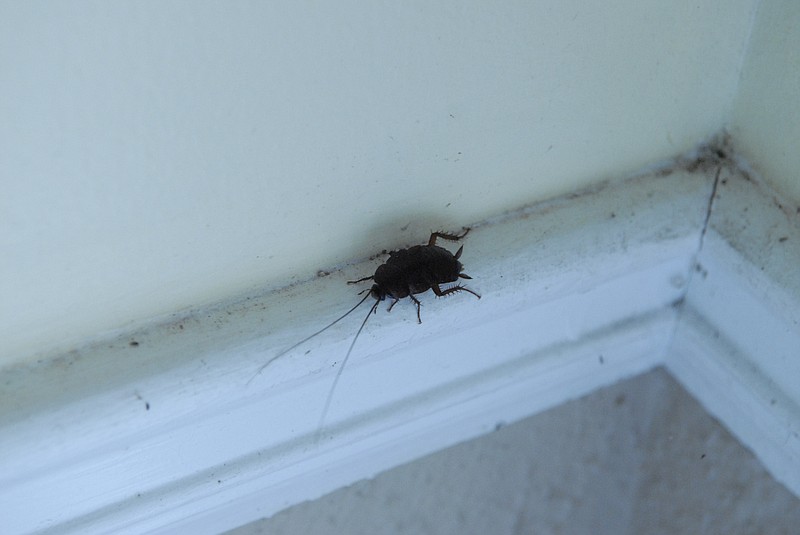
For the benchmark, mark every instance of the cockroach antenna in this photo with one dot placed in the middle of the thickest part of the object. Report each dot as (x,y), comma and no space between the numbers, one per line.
(309,337)
(329,399)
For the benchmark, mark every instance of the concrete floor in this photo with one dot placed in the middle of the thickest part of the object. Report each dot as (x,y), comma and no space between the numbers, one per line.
(638,457)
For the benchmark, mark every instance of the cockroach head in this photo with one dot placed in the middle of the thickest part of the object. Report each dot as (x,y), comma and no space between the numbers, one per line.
(377,293)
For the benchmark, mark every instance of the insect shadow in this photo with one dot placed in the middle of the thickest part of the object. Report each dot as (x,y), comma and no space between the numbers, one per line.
(407,272)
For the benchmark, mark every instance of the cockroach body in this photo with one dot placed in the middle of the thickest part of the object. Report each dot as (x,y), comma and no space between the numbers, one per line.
(407,272)
(418,269)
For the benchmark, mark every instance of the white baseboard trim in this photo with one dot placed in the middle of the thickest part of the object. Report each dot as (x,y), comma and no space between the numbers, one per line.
(157,431)
(745,400)
(737,344)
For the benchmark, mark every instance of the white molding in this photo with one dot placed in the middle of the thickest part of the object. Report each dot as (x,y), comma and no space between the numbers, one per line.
(737,344)
(746,401)
(166,436)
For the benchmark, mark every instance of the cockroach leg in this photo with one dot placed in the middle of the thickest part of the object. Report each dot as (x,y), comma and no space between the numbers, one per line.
(439,292)
(464,276)
(416,302)
(467,290)
(392,305)
(445,236)
(455,289)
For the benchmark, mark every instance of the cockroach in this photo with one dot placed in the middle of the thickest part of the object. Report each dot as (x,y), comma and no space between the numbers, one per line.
(407,272)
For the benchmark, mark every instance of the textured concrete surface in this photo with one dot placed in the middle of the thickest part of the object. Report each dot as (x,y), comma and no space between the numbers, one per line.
(638,457)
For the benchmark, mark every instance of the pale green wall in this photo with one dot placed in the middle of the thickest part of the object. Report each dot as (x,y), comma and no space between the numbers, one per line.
(160,155)
(766,118)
